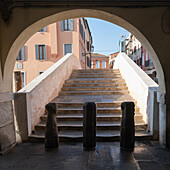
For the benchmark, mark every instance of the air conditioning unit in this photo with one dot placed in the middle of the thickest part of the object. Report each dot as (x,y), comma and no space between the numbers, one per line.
(19,66)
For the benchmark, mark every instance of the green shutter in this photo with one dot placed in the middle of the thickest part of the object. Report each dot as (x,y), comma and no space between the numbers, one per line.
(62,25)
(36,52)
(45,54)
(71,24)
(23,53)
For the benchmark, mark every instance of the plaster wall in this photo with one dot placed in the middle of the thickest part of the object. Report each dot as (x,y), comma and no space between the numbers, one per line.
(54,39)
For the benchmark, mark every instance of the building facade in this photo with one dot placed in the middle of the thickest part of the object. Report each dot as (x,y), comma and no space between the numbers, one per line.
(112,59)
(135,50)
(99,61)
(49,45)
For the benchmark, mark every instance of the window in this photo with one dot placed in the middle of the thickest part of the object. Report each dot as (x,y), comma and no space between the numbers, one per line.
(135,49)
(40,52)
(21,54)
(104,64)
(91,64)
(143,59)
(67,48)
(88,46)
(43,29)
(97,64)
(147,57)
(67,25)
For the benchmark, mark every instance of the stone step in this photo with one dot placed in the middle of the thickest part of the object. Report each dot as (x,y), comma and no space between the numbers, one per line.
(95,88)
(96,80)
(95,76)
(95,70)
(99,110)
(94,92)
(99,74)
(109,135)
(99,104)
(104,87)
(104,84)
(100,125)
(100,117)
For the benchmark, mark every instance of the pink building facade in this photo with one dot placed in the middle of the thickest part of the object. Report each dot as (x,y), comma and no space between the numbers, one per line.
(48,46)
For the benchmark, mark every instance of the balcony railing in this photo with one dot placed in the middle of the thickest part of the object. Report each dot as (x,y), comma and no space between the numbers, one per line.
(148,63)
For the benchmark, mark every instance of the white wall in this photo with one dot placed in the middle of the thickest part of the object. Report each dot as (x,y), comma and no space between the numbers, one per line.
(43,89)
(140,85)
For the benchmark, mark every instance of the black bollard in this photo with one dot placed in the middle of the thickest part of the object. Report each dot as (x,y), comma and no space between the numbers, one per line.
(89,126)
(51,133)
(127,136)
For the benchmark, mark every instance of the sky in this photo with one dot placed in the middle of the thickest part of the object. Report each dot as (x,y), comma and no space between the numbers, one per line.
(105,36)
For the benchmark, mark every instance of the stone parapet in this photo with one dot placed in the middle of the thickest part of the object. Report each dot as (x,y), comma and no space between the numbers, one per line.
(41,91)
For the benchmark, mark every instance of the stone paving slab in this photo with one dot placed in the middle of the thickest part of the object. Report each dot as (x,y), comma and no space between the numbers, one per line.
(71,156)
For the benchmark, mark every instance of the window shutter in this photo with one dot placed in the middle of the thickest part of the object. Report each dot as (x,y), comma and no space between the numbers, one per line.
(66,25)
(62,25)
(36,52)
(23,53)
(45,55)
(71,24)
(65,49)
(70,48)
(40,52)
(45,29)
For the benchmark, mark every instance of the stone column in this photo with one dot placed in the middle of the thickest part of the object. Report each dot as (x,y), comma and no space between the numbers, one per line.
(7,128)
(162,118)
(89,125)
(127,126)
(51,133)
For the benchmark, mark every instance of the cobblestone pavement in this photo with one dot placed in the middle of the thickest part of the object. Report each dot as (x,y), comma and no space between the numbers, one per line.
(71,156)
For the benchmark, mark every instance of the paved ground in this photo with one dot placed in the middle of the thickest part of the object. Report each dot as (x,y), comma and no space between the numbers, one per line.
(107,156)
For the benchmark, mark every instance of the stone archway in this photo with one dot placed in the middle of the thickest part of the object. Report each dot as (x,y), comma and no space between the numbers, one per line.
(110,15)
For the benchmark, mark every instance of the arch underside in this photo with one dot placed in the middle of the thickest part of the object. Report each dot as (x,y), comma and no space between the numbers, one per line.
(30,30)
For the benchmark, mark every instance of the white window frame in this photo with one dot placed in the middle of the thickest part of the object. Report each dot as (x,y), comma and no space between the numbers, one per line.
(64,48)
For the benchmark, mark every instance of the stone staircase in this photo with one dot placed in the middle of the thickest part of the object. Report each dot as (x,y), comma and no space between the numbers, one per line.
(105,87)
